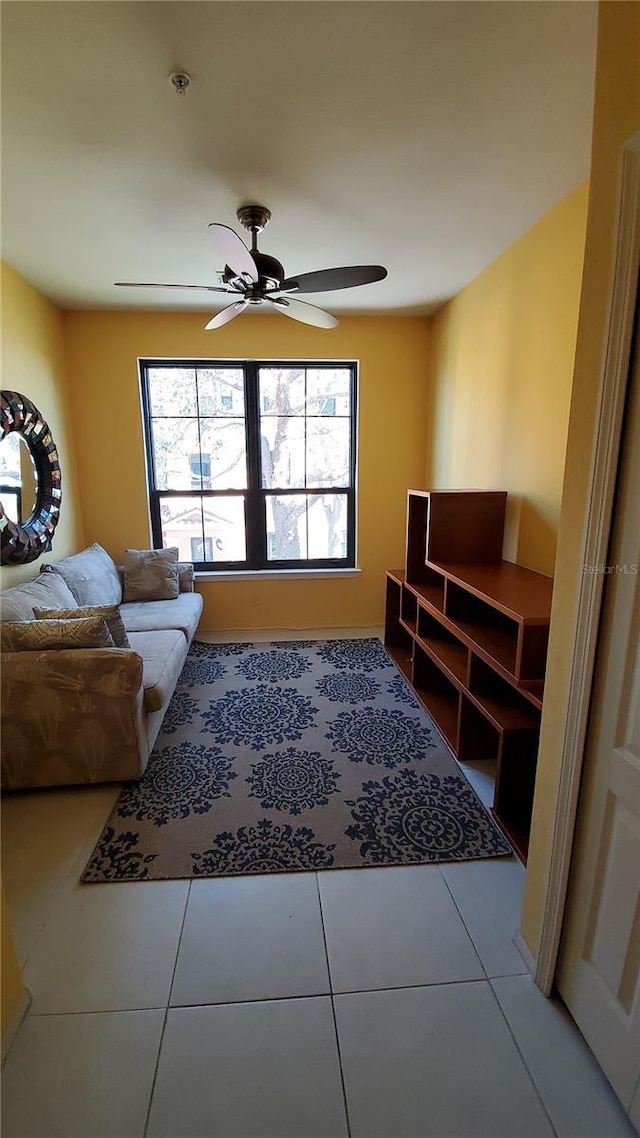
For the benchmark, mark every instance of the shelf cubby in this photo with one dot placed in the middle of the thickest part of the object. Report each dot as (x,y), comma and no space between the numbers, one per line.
(515,782)
(430,588)
(398,641)
(501,703)
(492,631)
(408,610)
(477,737)
(443,645)
(470,631)
(437,693)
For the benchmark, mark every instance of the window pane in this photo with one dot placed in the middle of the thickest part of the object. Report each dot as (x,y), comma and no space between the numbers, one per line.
(286,527)
(302,527)
(223,537)
(327,521)
(224,528)
(172,391)
(282,391)
(176,446)
(282,449)
(328,391)
(328,452)
(224,454)
(9,501)
(221,391)
(10,476)
(181,522)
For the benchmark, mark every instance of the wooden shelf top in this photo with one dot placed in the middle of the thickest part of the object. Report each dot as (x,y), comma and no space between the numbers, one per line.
(520,593)
(396,575)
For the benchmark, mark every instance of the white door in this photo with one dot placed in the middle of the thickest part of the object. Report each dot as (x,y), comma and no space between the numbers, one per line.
(599,967)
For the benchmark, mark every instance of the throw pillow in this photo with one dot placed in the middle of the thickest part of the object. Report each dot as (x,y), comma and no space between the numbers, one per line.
(151,574)
(45,635)
(109,613)
(186,576)
(48,590)
(91,575)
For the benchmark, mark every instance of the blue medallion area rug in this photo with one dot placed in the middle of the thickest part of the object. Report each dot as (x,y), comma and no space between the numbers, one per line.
(294,755)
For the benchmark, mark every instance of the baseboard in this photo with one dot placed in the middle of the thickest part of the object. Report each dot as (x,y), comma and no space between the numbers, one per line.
(16,1022)
(525,953)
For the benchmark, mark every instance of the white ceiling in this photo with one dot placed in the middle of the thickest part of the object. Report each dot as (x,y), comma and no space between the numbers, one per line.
(422,135)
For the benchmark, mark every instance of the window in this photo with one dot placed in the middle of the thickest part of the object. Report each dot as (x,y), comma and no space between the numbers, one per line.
(252,464)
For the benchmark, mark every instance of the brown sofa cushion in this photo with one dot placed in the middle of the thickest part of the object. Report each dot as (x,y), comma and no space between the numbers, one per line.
(151,574)
(45,635)
(91,575)
(109,613)
(48,590)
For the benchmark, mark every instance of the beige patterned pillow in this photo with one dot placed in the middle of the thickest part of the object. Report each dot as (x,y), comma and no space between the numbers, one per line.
(109,613)
(151,574)
(45,635)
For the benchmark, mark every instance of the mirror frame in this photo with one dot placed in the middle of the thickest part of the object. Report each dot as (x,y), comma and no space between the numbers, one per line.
(20,544)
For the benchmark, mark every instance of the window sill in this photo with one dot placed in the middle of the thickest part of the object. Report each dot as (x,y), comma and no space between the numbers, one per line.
(276,574)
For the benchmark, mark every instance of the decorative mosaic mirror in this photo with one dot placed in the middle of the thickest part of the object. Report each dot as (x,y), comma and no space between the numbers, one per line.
(30,482)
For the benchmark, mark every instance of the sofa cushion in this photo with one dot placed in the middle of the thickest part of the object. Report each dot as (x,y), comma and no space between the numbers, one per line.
(151,574)
(163,654)
(46,635)
(47,591)
(91,575)
(109,613)
(182,614)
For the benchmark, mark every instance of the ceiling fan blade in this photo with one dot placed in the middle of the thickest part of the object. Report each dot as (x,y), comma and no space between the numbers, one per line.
(307,313)
(140,284)
(326,279)
(233,249)
(226,315)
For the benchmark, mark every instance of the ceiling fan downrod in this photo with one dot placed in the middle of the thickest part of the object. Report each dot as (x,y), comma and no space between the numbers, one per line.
(254,218)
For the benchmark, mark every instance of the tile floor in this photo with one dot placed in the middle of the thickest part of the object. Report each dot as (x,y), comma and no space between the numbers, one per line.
(376,1003)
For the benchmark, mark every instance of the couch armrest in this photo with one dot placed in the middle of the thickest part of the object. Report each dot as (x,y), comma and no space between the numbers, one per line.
(112,671)
(72,716)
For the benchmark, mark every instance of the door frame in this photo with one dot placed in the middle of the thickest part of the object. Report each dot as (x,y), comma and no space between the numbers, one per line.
(614,376)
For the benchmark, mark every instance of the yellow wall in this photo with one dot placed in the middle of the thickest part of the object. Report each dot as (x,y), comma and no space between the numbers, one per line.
(33,363)
(502,362)
(102,349)
(12,990)
(616,118)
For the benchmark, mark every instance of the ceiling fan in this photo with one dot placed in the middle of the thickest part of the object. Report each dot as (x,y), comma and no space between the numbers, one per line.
(258,279)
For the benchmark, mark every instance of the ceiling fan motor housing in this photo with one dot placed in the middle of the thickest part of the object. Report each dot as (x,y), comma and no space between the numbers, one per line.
(270,272)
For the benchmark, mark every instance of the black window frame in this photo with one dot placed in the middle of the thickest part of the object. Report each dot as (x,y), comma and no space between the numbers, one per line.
(255,494)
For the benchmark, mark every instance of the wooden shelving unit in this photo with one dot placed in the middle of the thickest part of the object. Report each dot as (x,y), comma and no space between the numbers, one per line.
(469,631)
